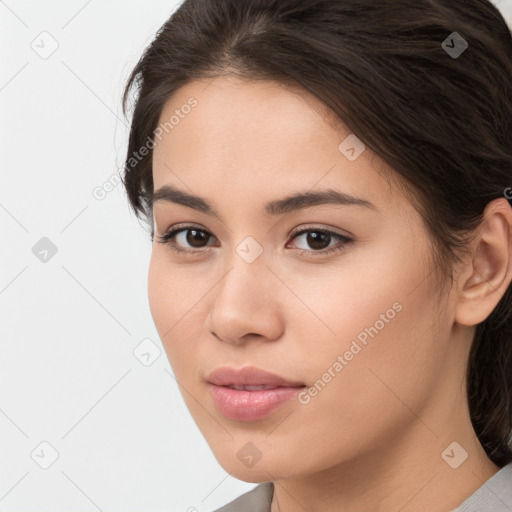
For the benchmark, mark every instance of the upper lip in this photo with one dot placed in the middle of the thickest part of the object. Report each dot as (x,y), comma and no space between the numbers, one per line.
(248,376)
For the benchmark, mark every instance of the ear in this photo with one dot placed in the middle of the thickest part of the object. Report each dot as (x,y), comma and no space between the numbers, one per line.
(488,271)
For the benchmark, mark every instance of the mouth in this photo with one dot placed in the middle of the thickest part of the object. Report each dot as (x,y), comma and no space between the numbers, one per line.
(251,403)
(248,376)
(253,388)
(250,393)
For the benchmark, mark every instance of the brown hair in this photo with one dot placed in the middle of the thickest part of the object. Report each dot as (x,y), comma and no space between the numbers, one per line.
(442,121)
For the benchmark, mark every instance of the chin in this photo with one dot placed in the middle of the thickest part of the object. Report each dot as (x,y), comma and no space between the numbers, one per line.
(265,469)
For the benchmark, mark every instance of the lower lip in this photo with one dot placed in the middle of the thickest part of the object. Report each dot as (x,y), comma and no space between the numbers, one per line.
(242,405)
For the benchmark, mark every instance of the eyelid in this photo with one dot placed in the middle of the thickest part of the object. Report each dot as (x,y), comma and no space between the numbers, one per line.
(305,227)
(176,229)
(311,227)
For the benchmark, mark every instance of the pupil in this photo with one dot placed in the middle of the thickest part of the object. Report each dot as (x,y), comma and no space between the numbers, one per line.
(191,240)
(313,238)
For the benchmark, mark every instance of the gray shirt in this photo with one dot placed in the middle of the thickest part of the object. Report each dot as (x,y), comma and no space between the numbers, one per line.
(495,495)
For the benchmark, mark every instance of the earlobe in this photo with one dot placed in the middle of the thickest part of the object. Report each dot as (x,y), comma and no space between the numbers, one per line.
(489,271)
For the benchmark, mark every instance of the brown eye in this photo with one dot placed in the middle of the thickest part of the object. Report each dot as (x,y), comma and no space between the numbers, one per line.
(191,236)
(195,237)
(319,240)
(191,239)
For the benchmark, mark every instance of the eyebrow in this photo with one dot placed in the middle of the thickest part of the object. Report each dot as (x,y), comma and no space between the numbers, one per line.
(298,201)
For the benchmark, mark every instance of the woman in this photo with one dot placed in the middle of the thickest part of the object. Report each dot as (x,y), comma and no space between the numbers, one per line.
(328,187)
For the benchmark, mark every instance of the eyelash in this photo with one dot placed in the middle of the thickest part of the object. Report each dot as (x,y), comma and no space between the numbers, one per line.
(166,239)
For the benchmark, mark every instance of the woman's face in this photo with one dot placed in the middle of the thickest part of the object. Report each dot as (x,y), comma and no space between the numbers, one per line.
(360,326)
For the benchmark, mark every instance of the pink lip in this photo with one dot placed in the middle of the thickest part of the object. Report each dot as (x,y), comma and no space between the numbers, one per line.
(248,376)
(245,405)
(249,405)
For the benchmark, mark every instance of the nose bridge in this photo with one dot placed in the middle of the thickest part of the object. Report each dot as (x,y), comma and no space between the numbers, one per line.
(244,301)
(247,266)
(245,282)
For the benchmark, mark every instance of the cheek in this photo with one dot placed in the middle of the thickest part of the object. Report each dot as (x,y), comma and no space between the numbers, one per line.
(169,290)
(367,399)
(177,314)
(157,292)
(380,319)
(392,360)
(166,299)
(360,299)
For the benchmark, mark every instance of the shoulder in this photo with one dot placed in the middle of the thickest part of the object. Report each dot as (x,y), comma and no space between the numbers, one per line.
(495,495)
(255,500)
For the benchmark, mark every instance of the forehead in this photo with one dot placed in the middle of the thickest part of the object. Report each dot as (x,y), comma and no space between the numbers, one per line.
(254,118)
(258,137)
(237,97)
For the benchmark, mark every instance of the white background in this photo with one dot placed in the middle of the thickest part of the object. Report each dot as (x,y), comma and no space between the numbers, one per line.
(68,375)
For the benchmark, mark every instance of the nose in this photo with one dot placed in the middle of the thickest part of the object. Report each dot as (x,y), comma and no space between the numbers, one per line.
(246,304)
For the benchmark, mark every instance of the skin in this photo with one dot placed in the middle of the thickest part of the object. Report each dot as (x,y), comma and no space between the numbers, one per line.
(372,439)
